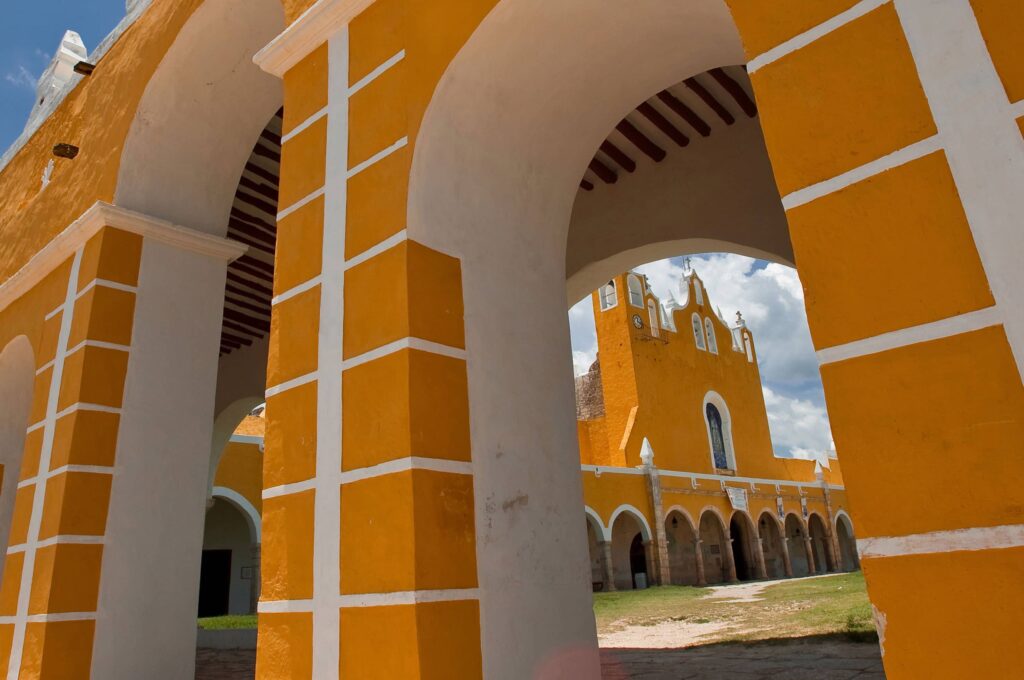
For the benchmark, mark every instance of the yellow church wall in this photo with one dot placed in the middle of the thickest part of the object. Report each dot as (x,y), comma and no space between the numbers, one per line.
(605,492)
(241,469)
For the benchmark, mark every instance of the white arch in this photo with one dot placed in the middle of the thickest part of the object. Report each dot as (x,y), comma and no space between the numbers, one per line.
(713,397)
(686,515)
(605,532)
(645,528)
(849,520)
(717,513)
(248,510)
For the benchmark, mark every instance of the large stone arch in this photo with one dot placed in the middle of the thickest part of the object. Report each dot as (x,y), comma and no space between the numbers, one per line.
(202,109)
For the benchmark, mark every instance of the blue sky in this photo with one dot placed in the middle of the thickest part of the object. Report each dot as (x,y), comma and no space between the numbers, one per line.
(771,299)
(29,36)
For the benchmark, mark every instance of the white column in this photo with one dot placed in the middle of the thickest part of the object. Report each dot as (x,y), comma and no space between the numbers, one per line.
(146,619)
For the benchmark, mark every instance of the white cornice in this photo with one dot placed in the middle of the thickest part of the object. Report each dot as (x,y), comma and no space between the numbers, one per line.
(102,215)
(308,32)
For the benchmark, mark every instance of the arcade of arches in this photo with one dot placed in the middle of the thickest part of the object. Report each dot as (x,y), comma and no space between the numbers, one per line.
(451,174)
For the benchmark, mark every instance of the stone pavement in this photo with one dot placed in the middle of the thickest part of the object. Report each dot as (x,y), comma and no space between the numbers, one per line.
(819,658)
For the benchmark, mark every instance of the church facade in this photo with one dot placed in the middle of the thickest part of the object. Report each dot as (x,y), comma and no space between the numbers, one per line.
(364,214)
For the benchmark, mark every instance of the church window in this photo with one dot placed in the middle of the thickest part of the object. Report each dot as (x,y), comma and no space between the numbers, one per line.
(652,314)
(607,295)
(717,437)
(749,347)
(636,291)
(712,340)
(698,291)
(698,332)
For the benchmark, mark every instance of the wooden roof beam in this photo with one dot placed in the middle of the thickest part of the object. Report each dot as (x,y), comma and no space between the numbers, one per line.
(640,141)
(736,90)
(710,100)
(663,124)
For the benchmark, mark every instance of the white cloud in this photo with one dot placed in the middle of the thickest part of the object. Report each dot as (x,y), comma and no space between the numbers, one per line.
(771,299)
(22,77)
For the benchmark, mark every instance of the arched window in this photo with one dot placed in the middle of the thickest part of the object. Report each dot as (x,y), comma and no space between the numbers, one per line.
(698,291)
(712,340)
(749,347)
(652,314)
(607,295)
(717,437)
(636,291)
(698,332)
(719,424)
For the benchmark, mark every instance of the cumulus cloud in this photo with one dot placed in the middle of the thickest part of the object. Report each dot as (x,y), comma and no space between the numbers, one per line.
(770,297)
(21,77)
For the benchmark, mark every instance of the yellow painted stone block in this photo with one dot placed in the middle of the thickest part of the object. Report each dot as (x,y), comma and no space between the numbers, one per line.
(303,164)
(58,649)
(431,641)
(375,36)
(305,88)
(21,515)
(1002,24)
(287,552)
(378,115)
(763,25)
(410,530)
(11,584)
(93,375)
(294,330)
(85,438)
(377,202)
(285,646)
(939,414)
(408,403)
(846,99)
(290,445)
(406,291)
(30,457)
(40,394)
(66,579)
(76,505)
(300,243)
(111,255)
(46,349)
(948,615)
(104,314)
(928,270)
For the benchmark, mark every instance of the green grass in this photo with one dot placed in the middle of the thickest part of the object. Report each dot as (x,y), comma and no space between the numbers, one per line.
(228,622)
(822,606)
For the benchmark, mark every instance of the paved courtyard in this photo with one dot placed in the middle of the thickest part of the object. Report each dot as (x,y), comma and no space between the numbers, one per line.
(823,658)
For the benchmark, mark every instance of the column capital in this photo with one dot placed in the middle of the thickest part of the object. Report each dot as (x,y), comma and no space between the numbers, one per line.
(305,34)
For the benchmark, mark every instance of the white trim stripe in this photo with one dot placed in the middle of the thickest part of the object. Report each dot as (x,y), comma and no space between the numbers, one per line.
(89,469)
(43,618)
(284,606)
(372,252)
(62,539)
(304,125)
(288,489)
(399,345)
(376,73)
(290,384)
(957,540)
(807,37)
(678,474)
(377,157)
(1017,109)
(408,597)
(246,439)
(302,202)
(100,344)
(866,171)
(935,330)
(455,467)
(104,283)
(297,290)
(84,406)
(21,616)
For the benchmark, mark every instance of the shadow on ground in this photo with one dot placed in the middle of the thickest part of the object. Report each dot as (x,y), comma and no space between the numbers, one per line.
(817,657)
(838,656)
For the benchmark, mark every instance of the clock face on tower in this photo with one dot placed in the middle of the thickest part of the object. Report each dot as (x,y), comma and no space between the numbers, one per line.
(637,321)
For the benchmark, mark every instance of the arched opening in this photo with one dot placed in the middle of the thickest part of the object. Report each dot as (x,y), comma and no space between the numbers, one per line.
(17,377)
(630,538)
(717,553)
(719,425)
(744,549)
(772,546)
(596,550)
(682,549)
(820,538)
(230,561)
(847,543)
(796,540)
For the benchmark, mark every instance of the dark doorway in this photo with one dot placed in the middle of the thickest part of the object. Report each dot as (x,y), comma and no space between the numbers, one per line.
(214,583)
(741,550)
(637,559)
